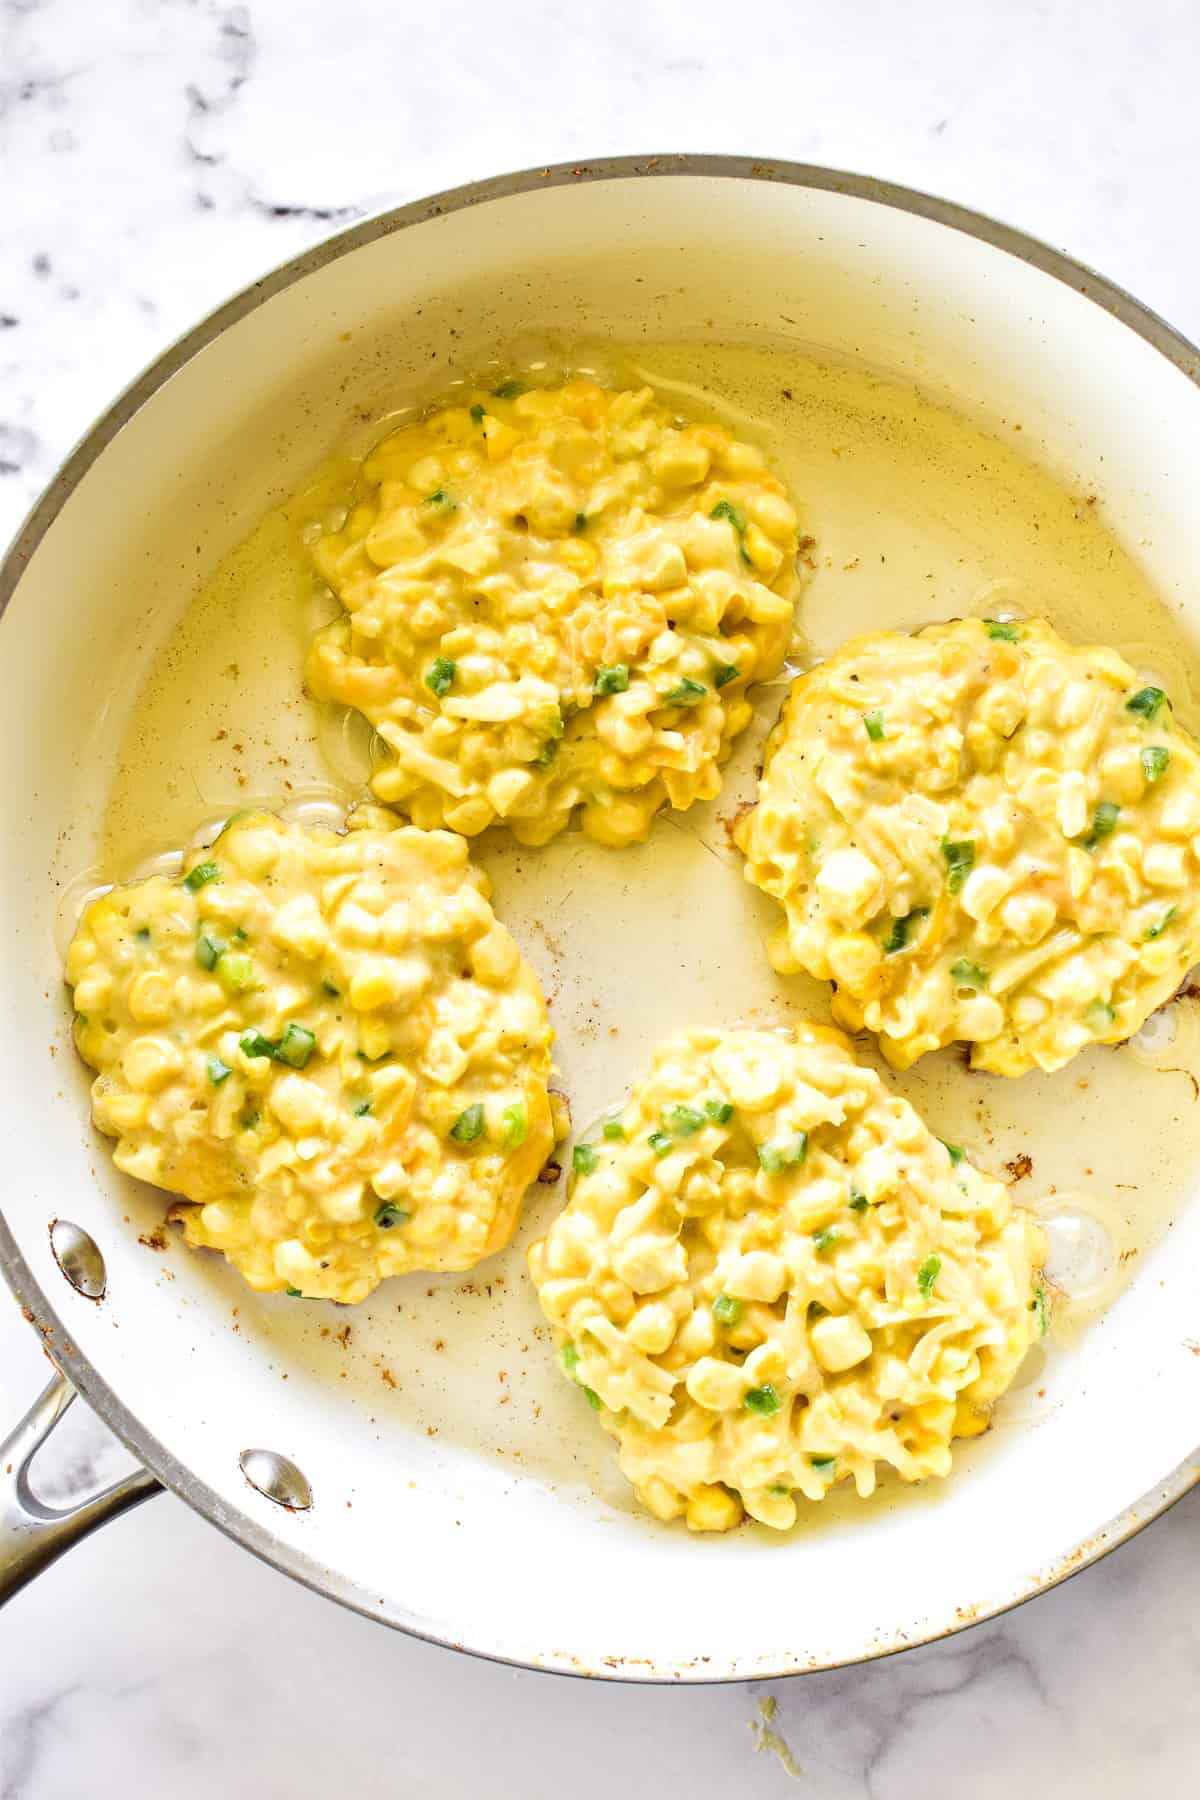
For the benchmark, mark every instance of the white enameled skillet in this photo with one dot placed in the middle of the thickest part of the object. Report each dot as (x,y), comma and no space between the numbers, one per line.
(502,1546)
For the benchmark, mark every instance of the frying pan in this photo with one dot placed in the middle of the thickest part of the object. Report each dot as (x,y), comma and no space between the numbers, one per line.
(426,1466)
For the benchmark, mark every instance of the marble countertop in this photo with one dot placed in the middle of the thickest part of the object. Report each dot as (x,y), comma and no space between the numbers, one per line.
(160,153)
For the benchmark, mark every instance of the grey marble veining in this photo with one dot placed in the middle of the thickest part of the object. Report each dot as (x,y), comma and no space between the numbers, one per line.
(157,154)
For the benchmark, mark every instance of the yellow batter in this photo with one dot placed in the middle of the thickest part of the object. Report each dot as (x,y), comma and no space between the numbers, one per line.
(771,1277)
(326,1043)
(981,832)
(555,600)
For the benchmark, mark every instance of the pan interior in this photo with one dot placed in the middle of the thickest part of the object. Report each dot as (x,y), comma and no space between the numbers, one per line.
(945,461)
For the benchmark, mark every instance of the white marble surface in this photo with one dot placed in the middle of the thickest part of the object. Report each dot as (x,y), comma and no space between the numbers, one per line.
(158,154)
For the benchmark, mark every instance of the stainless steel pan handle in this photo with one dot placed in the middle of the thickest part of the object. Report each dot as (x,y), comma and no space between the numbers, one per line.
(32,1534)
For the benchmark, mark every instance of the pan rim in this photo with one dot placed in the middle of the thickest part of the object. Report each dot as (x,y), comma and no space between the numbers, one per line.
(176,1476)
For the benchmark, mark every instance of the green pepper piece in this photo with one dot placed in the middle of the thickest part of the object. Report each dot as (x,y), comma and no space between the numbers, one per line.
(960,860)
(763,1400)
(783,1153)
(682,1120)
(468,1127)
(295,1046)
(235,972)
(389,1215)
(1146,702)
(1104,823)
(901,929)
(686,693)
(514,1125)
(439,677)
(201,875)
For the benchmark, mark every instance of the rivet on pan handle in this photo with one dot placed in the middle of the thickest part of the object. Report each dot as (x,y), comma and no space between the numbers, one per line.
(277,1478)
(32,1534)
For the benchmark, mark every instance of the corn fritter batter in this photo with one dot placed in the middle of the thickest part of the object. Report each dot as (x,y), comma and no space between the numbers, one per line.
(326,1043)
(555,599)
(981,832)
(770,1277)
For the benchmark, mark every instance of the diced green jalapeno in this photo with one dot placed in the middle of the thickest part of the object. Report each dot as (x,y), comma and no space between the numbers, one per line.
(249,1118)
(509,390)
(569,1356)
(873,726)
(724,673)
(824,1238)
(612,680)
(208,948)
(1004,629)
(468,1127)
(719,1111)
(901,930)
(1104,823)
(725,509)
(1040,1307)
(295,1046)
(1146,702)
(660,1143)
(201,875)
(686,693)
(334,993)
(441,499)
(682,1120)
(780,1490)
(1156,931)
(439,678)
(1156,760)
(968,974)
(235,972)
(954,1151)
(762,1400)
(142,934)
(546,754)
(824,1465)
(783,1153)
(514,1125)
(858,1202)
(960,860)
(584,1159)
(726,1310)
(253,1043)
(218,1071)
(592,1397)
(362,1109)
(613,1131)
(477,413)
(294,1293)
(1099,1016)
(389,1215)
(581,520)
(927,1275)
